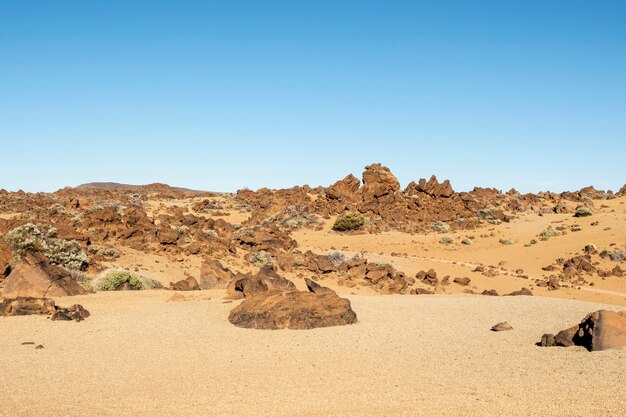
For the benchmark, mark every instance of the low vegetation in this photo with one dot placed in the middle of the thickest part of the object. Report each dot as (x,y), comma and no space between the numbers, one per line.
(349,222)
(113,279)
(42,238)
(583,211)
(446,240)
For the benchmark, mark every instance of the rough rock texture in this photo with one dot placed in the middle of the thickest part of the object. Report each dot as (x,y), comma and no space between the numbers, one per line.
(275,309)
(523,291)
(344,189)
(188,284)
(213,275)
(25,306)
(434,188)
(243,286)
(34,276)
(600,330)
(6,255)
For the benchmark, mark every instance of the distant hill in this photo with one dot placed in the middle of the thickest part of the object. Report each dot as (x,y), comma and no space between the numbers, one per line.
(155,187)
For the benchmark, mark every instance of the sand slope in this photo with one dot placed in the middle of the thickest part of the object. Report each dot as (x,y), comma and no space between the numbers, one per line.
(408,355)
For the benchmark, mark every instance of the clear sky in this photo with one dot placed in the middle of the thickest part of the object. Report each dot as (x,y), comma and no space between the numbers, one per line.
(221,95)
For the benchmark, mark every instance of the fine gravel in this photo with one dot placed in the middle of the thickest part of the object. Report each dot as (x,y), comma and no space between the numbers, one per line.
(138,355)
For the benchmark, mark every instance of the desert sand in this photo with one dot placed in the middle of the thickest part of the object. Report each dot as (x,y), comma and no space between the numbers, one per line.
(139,355)
(163,352)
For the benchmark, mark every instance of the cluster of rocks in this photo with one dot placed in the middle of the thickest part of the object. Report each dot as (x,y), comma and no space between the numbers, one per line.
(576,270)
(599,330)
(25,306)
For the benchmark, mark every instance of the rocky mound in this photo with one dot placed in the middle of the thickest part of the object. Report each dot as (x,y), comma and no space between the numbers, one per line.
(600,330)
(34,276)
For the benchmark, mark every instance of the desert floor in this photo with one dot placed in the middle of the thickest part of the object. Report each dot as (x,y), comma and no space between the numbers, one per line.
(140,354)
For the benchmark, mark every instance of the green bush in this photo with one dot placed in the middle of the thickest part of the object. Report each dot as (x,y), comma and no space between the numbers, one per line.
(349,222)
(42,238)
(440,226)
(548,233)
(583,211)
(111,279)
(446,240)
(261,258)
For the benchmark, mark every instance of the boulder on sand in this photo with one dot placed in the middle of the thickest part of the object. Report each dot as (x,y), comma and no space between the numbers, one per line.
(276,309)
(600,330)
(187,284)
(34,276)
(25,306)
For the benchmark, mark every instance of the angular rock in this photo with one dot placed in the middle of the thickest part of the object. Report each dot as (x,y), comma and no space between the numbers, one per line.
(462,281)
(600,330)
(213,275)
(523,291)
(34,276)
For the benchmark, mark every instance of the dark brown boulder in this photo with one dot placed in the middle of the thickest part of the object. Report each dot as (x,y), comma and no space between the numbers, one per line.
(493,293)
(600,330)
(167,236)
(462,281)
(298,310)
(427,277)
(188,284)
(34,276)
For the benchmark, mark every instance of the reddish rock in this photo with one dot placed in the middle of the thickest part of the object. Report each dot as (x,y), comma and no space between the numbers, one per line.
(344,189)
(213,275)
(462,281)
(25,306)
(275,309)
(433,187)
(34,276)
(601,330)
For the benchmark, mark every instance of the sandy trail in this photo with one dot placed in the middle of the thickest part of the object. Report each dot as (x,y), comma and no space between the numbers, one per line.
(407,356)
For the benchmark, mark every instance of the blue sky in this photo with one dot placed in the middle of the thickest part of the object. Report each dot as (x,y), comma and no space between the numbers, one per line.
(231,94)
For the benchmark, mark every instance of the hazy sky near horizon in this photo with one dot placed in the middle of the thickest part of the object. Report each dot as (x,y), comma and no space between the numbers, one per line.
(220,95)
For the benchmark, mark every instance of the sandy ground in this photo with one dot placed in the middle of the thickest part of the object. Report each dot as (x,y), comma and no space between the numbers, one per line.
(423,355)
(412,253)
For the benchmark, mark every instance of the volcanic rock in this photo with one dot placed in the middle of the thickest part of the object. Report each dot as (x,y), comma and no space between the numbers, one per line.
(25,306)
(213,275)
(600,330)
(275,309)
(34,276)
(462,281)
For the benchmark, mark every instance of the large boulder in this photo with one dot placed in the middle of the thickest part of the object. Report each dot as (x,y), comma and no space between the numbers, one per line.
(599,330)
(213,275)
(378,181)
(34,276)
(275,309)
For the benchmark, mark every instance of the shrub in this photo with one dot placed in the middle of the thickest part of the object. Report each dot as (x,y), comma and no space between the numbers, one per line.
(260,258)
(297,216)
(349,222)
(446,240)
(582,211)
(614,255)
(112,279)
(42,238)
(104,252)
(466,241)
(548,233)
(440,226)
(336,258)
